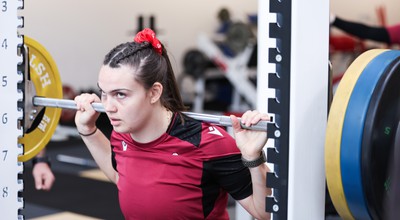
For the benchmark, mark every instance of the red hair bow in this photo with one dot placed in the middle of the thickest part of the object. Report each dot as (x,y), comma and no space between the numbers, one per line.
(148,35)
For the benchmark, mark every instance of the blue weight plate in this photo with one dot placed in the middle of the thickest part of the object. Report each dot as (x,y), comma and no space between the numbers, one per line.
(352,133)
(378,139)
(334,131)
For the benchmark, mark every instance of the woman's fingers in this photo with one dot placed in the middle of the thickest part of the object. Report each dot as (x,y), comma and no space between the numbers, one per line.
(253,117)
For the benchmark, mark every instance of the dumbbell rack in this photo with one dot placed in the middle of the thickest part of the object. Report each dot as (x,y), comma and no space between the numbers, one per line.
(11,184)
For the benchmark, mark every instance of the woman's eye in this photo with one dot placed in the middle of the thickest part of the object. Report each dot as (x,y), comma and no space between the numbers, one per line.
(120,95)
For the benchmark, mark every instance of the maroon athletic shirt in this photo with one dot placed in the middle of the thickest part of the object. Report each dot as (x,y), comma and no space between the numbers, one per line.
(184,174)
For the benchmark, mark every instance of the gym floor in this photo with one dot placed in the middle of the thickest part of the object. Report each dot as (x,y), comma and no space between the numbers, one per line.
(80,192)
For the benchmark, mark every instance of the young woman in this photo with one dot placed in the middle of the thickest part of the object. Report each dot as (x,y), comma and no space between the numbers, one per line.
(167,165)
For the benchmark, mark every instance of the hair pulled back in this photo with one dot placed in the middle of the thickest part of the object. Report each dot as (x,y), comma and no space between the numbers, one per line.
(148,68)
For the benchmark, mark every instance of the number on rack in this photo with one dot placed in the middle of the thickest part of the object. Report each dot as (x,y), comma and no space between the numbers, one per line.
(4,44)
(4,118)
(5,192)
(5,154)
(4,6)
(4,81)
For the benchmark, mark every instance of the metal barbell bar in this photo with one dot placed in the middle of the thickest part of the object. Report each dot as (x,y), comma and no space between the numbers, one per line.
(219,120)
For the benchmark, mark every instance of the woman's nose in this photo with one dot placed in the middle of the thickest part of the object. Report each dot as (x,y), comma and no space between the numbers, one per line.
(108,105)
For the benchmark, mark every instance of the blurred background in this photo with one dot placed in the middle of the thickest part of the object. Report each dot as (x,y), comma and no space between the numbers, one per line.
(78,34)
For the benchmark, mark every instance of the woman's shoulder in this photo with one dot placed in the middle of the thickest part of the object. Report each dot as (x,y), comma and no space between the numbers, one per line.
(198,132)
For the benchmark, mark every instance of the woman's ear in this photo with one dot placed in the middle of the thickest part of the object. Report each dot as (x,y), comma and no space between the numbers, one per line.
(155,92)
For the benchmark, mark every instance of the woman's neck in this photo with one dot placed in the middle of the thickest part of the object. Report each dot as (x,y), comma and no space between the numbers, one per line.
(156,126)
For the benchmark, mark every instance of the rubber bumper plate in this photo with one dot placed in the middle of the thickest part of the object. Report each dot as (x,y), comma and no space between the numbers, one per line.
(379,138)
(352,132)
(334,131)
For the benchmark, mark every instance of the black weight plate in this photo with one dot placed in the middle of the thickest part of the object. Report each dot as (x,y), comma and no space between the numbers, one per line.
(195,63)
(392,201)
(378,137)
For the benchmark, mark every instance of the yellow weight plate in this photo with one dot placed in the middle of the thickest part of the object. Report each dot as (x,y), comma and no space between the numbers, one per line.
(46,79)
(334,131)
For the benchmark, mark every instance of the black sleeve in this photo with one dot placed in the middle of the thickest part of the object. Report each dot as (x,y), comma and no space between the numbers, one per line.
(363,31)
(232,176)
(113,161)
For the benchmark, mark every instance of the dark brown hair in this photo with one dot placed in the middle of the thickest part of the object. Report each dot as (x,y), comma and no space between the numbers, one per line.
(148,67)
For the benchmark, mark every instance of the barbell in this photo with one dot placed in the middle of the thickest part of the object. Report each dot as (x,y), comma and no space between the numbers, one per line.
(215,119)
(42,89)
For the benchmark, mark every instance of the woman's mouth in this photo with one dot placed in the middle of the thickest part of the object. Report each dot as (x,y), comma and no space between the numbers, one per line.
(115,122)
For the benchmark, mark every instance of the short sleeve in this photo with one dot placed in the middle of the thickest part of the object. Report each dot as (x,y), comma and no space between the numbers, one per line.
(231,175)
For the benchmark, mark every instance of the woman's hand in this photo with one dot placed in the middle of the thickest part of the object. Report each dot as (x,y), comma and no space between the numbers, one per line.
(249,142)
(86,116)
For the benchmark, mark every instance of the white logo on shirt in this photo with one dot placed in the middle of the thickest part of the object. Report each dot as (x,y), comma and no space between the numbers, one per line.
(124,146)
(213,130)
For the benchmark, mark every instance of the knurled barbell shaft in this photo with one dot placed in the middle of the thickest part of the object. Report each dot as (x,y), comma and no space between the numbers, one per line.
(62,103)
(219,120)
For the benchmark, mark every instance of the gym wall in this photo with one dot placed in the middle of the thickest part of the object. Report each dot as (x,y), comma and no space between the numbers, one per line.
(79,33)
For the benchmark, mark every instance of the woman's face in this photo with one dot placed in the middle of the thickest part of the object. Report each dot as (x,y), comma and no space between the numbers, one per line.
(126,102)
